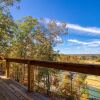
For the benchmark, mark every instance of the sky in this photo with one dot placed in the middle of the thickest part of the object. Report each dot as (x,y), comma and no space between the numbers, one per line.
(81,16)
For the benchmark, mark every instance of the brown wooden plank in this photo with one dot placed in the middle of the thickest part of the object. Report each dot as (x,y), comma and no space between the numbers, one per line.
(22,88)
(7,92)
(12,92)
(22,93)
(82,68)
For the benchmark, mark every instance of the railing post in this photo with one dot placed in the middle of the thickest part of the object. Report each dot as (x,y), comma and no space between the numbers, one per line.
(7,68)
(30,77)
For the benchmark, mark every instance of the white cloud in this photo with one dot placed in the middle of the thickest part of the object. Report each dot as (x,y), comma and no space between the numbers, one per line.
(94,43)
(93,30)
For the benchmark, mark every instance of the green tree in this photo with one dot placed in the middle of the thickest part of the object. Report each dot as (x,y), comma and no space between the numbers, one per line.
(23,41)
(7,28)
(48,36)
(36,39)
(7,25)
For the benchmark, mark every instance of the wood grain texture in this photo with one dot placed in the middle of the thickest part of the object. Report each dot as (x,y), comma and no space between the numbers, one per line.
(74,67)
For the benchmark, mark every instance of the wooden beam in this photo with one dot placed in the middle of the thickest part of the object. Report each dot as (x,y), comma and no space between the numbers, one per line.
(74,67)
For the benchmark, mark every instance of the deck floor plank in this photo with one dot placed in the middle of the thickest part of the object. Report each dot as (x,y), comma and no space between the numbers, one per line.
(6,93)
(9,93)
(12,90)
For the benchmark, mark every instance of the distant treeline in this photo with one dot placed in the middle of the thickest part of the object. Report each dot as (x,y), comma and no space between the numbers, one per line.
(78,58)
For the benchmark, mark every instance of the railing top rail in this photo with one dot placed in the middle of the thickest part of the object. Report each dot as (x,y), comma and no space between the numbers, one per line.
(93,69)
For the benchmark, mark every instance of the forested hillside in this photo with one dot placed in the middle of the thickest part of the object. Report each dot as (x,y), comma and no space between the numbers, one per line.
(79,58)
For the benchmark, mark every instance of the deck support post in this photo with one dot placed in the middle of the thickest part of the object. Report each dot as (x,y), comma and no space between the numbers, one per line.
(7,68)
(30,78)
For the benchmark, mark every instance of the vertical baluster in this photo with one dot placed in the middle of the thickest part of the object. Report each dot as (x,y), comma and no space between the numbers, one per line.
(30,78)
(7,68)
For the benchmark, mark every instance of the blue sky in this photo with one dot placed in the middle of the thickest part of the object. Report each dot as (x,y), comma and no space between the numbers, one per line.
(82,18)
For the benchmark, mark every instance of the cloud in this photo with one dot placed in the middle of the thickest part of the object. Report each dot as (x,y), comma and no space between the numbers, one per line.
(94,43)
(93,30)
(75,27)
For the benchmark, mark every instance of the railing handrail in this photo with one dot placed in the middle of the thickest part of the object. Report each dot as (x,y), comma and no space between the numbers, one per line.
(93,69)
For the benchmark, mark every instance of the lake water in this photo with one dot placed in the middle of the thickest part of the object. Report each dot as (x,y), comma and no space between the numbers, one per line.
(94,93)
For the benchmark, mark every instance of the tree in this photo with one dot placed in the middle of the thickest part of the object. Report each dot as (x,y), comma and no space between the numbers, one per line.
(23,40)
(5,4)
(34,39)
(7,25)
(7,28)
(50,33)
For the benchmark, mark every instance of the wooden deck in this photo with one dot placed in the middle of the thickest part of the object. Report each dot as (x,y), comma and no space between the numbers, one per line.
(11,90)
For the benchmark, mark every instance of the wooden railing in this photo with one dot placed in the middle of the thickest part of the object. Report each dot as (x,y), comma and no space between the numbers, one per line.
(92,69)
